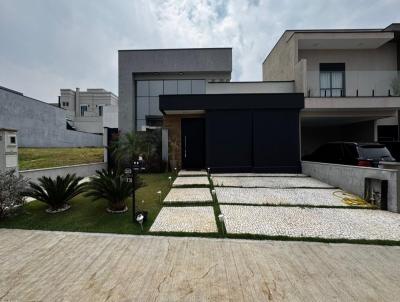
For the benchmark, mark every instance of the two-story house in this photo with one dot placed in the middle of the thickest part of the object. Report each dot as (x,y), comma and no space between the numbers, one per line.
(89,110)
(350,80)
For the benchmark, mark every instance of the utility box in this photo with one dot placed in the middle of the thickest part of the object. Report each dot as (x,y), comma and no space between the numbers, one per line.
(376,192)
(8,149)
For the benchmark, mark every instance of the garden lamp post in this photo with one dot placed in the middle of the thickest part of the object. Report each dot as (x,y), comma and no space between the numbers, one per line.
(159,193)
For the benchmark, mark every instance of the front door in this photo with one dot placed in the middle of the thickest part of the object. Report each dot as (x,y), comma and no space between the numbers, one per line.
(193,146)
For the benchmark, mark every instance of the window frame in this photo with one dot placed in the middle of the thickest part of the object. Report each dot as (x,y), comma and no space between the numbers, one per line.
(81,106)
(330,68)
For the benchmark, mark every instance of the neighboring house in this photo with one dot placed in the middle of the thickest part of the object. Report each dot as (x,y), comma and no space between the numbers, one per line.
(209,121)
(40,124)
(350,80)
(86,109)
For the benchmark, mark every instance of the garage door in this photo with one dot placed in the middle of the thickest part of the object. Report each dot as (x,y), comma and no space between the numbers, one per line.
(253,140)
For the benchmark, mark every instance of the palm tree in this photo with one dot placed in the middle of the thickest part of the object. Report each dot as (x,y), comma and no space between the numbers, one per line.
(56,192)
(109,185)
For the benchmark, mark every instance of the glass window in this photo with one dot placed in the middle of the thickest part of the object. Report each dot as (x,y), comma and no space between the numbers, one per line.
(156,88)
(184,87)
(154,121)
(154,106)
(331,79)
(140,124)
(142,107)
(142,88)
(101,110)
(171,87)
(198,86)
(84,108)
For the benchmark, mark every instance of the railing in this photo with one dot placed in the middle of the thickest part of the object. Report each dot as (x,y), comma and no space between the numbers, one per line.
(365,83)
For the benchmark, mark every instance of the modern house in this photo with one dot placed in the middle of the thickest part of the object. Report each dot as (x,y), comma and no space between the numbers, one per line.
(211,122)
(86,110)
(350,80)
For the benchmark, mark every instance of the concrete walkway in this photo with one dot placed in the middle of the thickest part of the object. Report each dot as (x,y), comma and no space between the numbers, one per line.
(55,266)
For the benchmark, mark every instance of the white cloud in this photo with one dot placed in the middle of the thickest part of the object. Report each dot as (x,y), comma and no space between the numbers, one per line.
(48,45)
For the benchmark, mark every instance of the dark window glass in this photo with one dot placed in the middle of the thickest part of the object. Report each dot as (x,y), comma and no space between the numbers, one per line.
(374,152)
(332,79)
(13,140)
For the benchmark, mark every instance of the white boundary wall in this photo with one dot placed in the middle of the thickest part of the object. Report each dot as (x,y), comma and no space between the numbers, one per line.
(83,170)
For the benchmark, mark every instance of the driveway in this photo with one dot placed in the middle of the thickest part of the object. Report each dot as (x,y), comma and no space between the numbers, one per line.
(57,266)
(298,206)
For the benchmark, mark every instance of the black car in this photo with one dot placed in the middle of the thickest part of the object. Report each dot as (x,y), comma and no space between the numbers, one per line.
(350,153)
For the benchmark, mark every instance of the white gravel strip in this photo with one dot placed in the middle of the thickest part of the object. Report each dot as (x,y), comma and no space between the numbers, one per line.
(192,173)
(269,182)
(326,223)
(189,180)
(189,195)
(185,219)
(268,196)
(258,174)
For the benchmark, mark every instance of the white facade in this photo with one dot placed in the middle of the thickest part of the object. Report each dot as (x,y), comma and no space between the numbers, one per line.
(85,109)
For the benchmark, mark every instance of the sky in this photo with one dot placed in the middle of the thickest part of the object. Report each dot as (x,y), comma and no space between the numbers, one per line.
(46,45)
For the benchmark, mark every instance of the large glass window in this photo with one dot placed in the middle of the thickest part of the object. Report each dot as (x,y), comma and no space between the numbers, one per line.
(171,87)
(184,87)
(147,96)
(332,79)
(142,88)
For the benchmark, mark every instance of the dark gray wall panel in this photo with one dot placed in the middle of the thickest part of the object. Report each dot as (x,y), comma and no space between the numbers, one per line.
(276,145)
(229,140)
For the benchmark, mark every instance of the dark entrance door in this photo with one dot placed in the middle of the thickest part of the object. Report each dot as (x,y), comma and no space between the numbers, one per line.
(193,146)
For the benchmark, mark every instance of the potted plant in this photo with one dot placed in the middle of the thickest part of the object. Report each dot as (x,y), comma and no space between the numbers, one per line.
(56,192)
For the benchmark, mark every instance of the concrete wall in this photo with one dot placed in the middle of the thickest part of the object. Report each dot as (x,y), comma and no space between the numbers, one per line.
(250,87)
(280,63)
(40,124)
(80,170)
(352,179)
(110,117)
(366,69)
(176,62)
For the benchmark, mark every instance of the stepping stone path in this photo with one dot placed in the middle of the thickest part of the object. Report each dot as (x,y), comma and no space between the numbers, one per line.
(192,173)
(191,181)
(269,182)
(185,219)
(188,195)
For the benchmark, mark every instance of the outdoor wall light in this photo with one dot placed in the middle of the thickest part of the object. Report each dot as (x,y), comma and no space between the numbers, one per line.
(221,219)
(140,218)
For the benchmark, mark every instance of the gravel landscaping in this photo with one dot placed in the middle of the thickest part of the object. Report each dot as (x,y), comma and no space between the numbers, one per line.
(327,223)
(189,181)
(268,196)
(189,195)
(192,173)
(185,219)
(269,182)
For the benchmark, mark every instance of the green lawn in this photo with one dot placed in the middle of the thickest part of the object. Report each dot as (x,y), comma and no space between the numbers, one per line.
(36,158)
(91,216)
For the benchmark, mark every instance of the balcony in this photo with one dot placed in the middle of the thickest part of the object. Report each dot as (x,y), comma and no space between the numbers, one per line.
(361,83)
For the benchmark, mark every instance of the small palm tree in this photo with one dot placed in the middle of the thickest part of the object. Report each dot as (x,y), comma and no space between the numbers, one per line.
(56,192)
(110,186)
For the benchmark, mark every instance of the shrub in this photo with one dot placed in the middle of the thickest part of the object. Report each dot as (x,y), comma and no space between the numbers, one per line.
(110,186)
(56,192)
(12,188)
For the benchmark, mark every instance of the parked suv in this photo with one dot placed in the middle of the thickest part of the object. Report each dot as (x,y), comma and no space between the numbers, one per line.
(350,153)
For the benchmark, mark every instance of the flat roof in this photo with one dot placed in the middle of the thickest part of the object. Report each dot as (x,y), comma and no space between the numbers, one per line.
(237,101)
(161,49)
